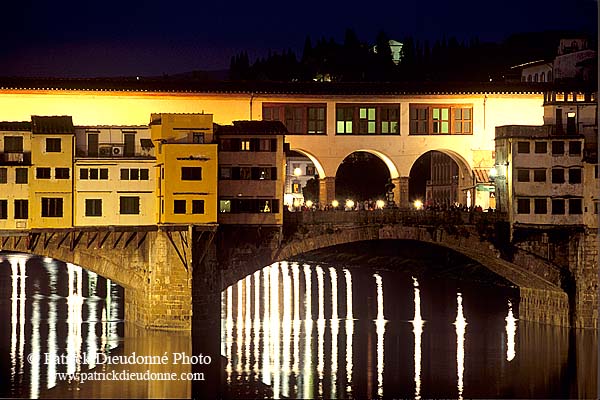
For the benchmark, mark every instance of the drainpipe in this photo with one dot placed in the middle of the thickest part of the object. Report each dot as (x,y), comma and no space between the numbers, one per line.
(251,100)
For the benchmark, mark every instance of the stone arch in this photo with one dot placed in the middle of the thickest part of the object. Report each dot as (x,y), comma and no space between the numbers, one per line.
(465,178)
(314,160)
(394,173)
(103,265)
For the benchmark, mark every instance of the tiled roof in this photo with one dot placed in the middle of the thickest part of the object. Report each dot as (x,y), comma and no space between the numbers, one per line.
(481,175)
(15,126)
(262,87)
(252,127)
(53,125)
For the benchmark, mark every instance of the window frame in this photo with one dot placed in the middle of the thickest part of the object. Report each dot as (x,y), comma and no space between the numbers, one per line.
(43,173)
(62,173)
(3,208)
(24,172)
(419,119)
(189,173)
(198,207)
(179,206)
(123,206)
(93,207)
(308,118)
(52,207)
(21,208)
(350,119)
(53,145)
(523,203)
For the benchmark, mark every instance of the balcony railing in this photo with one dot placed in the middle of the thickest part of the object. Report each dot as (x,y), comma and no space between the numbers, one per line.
(21,158)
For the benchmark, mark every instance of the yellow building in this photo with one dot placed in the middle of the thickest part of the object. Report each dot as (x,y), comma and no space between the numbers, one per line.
(51,180)
(186,161)
(15,166)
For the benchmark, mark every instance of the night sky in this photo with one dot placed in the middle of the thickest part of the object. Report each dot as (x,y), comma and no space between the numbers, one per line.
(149,38)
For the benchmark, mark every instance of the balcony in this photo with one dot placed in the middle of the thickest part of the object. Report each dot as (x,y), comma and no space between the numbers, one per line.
(20,158)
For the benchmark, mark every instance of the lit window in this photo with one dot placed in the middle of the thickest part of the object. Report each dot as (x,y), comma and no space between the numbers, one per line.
(390,120)
(462,120)
(366,120)
(225,206)
(440,117)
(245,145)
(344,117)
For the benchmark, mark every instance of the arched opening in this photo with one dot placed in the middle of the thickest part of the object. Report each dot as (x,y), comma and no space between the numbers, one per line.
(441,179)
(362,176)
(302,174)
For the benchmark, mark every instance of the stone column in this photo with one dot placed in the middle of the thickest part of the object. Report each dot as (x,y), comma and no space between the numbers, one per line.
(160,297)
(583,261)
(326,190)
(401,191)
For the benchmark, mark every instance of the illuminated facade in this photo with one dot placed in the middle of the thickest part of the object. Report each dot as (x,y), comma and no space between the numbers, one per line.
(114,176)
(251,172)
(186,161)
(547,175)
(398,123)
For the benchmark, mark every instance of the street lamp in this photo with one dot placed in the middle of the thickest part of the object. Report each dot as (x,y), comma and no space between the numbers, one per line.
(335,203)
(309,203)
(349,204)
(297,172)
(380,204)
(418,204)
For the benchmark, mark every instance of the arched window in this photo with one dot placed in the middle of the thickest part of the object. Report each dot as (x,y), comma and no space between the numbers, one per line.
(543,77)
(535,78)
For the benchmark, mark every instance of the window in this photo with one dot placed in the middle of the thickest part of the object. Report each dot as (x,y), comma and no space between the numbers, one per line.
(264,173)
(558,175)
(245,173)
(52,207)
(462,120)
(438,119)
(3,209)
(93,207)
(571,124)
(574,175)
(197,206)
(21,175)
(558,148)
(574,148)
(540,206)
(53,145)
(344,116)
(558,206)
(225,206)
(191,173)
(245,145)
(541,147)
(390,120)
(93,173)
(129,205)
(92,144)
(42,173)
(21,209)
(310,170)
(366,120)
(523,206)
(575,206)
(3,175)
(134,174)
(523,147)
(144,174)
(596,207)
(539,175)
(61,173)
(13,144)
(296,187)
(224,172)
(522,175)
(198,137)
(299,119)
(179,206)
(264,144)
(316,120)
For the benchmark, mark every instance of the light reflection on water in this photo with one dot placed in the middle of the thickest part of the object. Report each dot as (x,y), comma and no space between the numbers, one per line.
(306,332)
(319,336)
(51,314)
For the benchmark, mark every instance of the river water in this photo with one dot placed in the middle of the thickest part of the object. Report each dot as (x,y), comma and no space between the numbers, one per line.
(296,330)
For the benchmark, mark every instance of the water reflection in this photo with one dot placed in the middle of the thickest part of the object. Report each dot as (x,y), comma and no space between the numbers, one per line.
(417,323)
(380,329)
(511,331)
(47,338)
(461,325)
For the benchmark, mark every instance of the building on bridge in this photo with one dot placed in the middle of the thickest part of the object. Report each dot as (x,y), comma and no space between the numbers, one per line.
(251,172)
(548,175)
